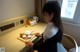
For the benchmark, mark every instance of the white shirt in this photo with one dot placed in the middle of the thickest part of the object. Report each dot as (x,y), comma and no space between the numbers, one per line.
(50,31)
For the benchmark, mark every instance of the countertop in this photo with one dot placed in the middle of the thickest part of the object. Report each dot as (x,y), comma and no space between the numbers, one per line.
(10,42)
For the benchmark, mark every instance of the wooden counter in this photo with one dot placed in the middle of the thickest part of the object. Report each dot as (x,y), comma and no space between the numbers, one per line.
(10,42)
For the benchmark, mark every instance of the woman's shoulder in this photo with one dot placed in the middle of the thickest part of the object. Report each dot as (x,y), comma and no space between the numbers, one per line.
(54,30)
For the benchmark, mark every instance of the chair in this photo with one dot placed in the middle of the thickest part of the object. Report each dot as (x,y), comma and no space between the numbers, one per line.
(67,43)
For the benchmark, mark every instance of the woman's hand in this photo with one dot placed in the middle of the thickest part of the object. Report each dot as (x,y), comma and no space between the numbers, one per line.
(29,44)
(38,34)
(35,50)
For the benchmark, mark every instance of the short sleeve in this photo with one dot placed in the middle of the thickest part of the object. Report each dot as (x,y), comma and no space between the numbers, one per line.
(50,33)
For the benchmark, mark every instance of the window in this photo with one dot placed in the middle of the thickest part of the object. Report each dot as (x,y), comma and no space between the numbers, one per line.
(68,8)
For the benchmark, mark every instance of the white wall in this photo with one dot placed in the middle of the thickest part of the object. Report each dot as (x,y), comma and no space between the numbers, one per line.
(72,30)
(13,8)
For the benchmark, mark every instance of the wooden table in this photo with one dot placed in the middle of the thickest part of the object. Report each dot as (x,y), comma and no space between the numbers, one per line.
(10,42)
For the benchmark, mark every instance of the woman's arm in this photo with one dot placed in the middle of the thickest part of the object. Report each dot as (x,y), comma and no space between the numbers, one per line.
(29,44)
(39,41)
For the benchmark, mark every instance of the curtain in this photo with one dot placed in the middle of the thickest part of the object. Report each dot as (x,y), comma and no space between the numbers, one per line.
(38,8)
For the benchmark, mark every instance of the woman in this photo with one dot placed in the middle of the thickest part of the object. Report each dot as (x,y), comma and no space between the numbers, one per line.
(54,30)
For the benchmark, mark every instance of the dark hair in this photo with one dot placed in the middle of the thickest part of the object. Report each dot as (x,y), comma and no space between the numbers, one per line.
(53,7)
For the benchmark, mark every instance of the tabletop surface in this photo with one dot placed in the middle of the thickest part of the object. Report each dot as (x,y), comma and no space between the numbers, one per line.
(10,42)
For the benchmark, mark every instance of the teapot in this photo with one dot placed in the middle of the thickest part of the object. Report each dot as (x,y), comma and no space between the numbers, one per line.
(34,21)
(35,18)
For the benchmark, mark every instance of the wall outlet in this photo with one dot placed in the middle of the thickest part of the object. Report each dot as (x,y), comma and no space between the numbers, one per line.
(0,30)
(21,21)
